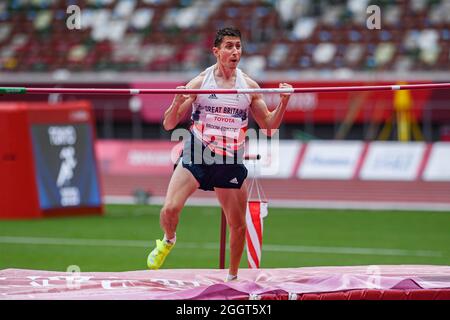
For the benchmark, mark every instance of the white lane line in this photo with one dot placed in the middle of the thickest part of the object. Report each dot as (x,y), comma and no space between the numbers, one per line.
(215,246)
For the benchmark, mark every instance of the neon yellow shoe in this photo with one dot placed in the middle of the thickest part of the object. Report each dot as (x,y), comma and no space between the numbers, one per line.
(158,255)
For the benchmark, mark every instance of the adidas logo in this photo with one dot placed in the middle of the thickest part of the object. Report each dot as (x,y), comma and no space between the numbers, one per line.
(212,96)
(234,180)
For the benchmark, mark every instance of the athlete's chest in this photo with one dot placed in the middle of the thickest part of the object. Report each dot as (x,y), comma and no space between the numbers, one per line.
(219,82)
(217,103)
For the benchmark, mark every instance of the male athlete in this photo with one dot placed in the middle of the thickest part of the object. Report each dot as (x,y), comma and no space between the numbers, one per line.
(212,157)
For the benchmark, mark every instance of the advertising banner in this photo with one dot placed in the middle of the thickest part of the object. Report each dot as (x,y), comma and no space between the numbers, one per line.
(393,161)
(330,160)
(277,161)
(438,166)
(65,165)
(136,157)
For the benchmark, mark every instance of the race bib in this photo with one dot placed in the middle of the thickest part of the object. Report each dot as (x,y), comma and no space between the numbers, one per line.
(222,126)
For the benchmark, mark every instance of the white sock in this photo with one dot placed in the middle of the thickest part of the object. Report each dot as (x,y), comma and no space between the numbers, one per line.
(231,277)
(170,241)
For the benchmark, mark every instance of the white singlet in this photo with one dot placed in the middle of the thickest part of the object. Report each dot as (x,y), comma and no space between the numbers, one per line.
(221,120)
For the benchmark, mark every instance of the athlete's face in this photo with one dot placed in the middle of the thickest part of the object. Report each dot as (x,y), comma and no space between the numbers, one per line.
(229,52)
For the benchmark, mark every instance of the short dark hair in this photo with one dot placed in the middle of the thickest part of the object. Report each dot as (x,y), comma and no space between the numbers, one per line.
(224,32)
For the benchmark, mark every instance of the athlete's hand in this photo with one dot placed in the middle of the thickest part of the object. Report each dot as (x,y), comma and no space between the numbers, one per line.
(285,96)
(180,98)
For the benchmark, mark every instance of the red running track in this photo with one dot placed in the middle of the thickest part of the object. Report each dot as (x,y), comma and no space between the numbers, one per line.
(303,190)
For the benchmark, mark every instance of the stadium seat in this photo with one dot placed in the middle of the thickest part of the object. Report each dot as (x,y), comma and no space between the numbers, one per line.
(286,34)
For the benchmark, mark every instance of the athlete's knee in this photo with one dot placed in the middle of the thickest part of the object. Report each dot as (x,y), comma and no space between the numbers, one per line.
(238,226)
(172,207)
(169,212)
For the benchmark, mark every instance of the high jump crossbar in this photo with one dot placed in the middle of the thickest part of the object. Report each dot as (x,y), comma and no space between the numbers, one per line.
(33,90)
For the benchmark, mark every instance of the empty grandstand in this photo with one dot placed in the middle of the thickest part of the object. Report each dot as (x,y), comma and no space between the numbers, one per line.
(175,35)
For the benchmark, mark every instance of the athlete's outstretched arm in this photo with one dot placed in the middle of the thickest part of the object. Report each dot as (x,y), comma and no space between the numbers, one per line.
(269,119)
(181,104)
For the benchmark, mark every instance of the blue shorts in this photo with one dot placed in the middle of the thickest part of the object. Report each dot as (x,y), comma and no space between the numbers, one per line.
(210,176)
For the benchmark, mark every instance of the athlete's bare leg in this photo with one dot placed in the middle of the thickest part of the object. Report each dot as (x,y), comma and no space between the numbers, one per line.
(181,186)
(234,203)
